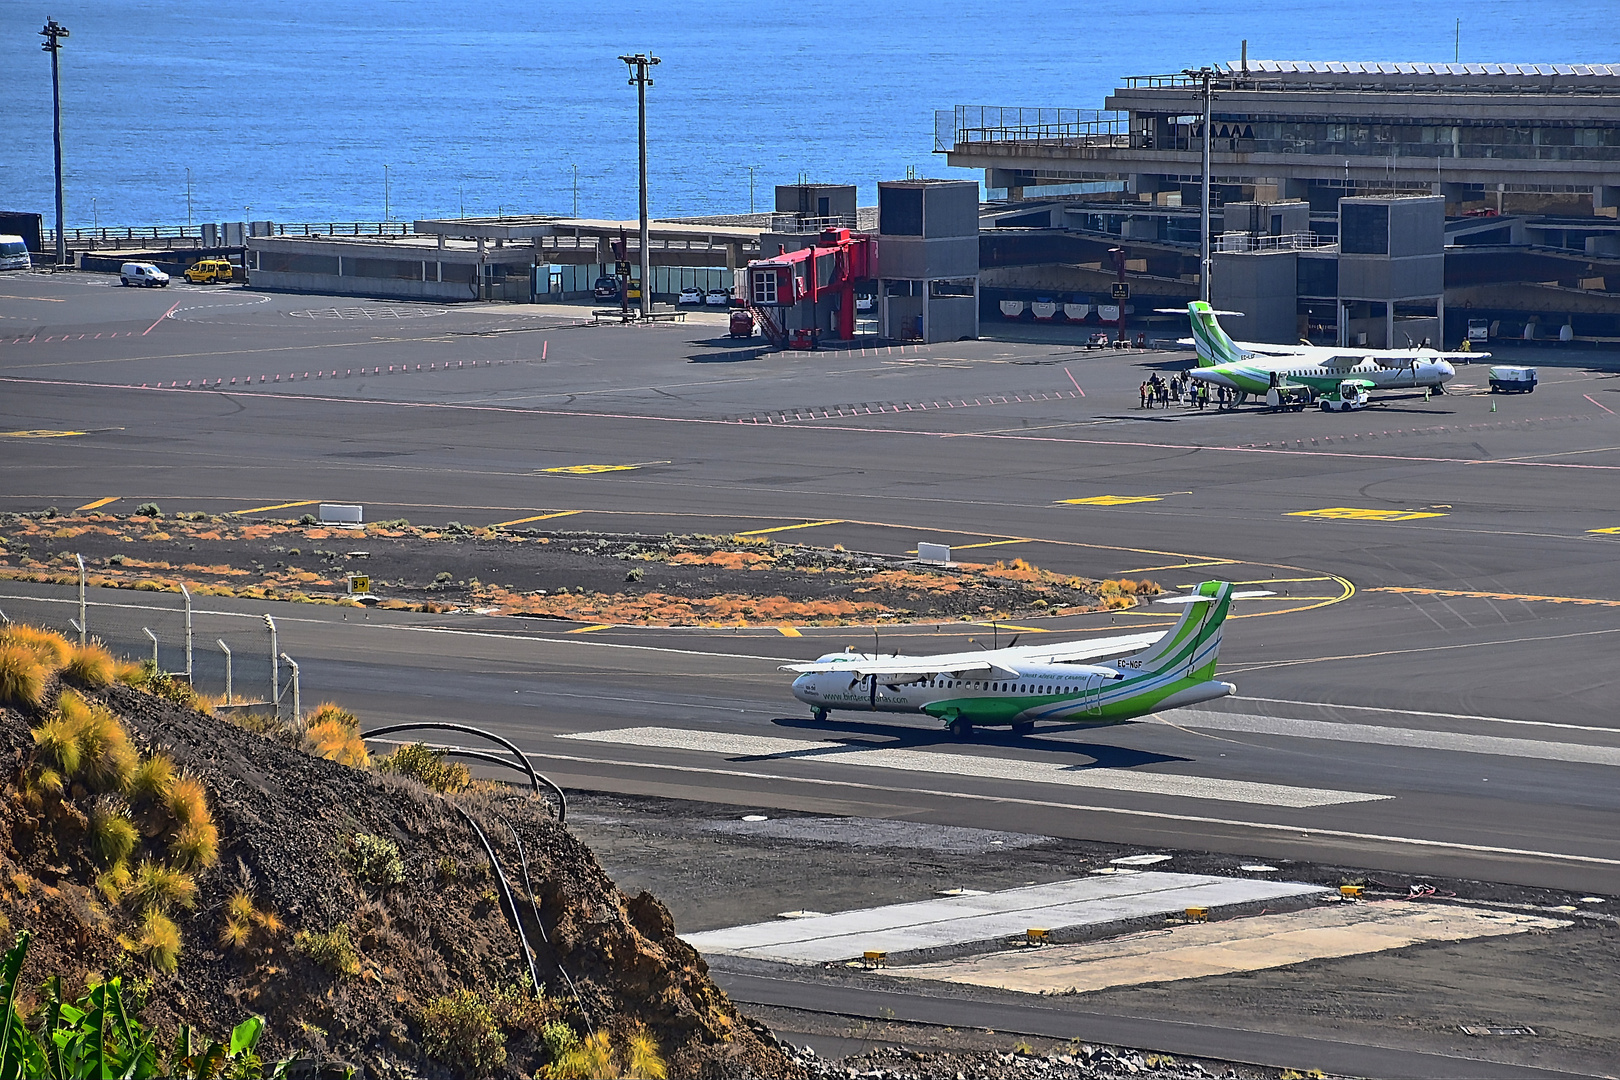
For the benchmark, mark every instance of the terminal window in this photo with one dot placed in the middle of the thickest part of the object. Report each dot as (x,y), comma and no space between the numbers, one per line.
(1363,229)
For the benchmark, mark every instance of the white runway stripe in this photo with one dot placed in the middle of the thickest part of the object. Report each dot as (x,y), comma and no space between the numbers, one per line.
(989,768)
(1417,738)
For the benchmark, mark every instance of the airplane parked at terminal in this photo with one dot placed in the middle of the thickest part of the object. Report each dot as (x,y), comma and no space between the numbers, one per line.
(1020,685)
(1277,372)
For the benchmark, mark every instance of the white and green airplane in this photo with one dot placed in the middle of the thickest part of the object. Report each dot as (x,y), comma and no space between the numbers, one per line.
(1021,685)
(1258,369)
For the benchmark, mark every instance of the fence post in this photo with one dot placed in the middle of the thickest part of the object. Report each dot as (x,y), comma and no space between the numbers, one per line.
(275,669)
(298,710)
(227,651)
(83,622)
(153,636)
(187,594)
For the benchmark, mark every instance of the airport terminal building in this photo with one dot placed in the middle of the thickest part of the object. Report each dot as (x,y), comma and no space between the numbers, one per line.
(1525,158)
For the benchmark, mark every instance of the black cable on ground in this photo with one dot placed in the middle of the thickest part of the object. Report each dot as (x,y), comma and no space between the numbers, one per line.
(519,756)
(506,894)
(534,907)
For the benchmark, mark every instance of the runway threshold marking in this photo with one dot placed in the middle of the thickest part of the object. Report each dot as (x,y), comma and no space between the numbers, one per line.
(945,764)
(789,528)
(537,517)
(589,629)
(39,433)
(98,504)
(1353,513)
(1586,600)
(277,506)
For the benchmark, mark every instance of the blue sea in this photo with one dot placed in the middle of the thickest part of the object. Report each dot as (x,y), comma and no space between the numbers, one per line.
(291,110)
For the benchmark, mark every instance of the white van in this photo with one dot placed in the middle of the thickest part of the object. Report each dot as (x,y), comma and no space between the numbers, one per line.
(13,252)
(143,274)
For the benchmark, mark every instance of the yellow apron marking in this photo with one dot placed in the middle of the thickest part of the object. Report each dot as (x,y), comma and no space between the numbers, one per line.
(790,528)
(1110,500)
(1017,629)
(39,434)
(788,631)
(1589,601)
(277,506)
(1182,566)
(537,517)
(1352,513)
(1279,580)
(98,504)
(1612,530)
(592,470)
(589,629)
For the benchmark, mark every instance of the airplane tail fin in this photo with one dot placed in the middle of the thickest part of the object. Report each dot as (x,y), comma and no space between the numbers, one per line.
(1193,643)
(1211,342)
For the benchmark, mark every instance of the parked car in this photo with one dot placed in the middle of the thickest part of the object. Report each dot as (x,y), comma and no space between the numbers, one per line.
(13,253)
(606,288)
(144,274)
(718,298)
(1098,340)
(864,302)
(208,271)
(690,295)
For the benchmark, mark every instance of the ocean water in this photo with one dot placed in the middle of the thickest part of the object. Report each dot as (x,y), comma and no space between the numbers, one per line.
(291,110)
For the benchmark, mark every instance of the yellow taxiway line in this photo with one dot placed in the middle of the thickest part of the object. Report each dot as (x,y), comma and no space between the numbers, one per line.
(277,506)
(537,517)
(789,528)
(98,504)
(1497,595)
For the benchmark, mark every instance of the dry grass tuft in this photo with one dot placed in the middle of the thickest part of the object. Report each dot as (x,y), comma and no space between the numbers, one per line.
(195,846)
(112,834)
(112,882)
(187,802)
(155,887)
(22,677)
(90,666)
(51,648)
(159,943)
(333,732)
(107,758)
(152,780)
(428,767)
(244,920)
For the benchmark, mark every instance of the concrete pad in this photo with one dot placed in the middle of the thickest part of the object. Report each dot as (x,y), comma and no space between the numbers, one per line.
(929,928)
(1220,948)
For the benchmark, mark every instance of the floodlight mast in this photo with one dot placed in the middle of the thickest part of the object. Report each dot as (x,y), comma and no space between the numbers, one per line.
(1205,75)
(53,34)
(638,64)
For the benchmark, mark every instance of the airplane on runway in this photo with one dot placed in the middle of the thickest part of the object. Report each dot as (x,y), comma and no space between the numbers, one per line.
(1021,685)
(1278,372)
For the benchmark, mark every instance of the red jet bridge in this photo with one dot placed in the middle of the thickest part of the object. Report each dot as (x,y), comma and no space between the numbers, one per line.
(829,267)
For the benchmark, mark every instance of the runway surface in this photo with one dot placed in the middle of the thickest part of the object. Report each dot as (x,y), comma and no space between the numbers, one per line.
(1432,691)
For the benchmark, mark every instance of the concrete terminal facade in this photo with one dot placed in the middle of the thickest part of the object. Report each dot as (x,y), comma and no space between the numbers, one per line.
(1526,161)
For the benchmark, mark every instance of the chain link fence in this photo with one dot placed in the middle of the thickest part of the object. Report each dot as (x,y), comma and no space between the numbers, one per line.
(224,655)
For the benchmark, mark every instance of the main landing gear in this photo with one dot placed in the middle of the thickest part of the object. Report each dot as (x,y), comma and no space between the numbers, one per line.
(1024,728)
(962,728)
(819,715)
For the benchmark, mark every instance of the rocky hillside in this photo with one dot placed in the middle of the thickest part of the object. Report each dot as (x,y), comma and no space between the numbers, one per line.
(226,869)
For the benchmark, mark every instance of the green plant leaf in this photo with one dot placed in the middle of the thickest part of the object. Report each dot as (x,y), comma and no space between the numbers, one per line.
(10,1027)
(245,1036)
(53,1019)
(95,1035)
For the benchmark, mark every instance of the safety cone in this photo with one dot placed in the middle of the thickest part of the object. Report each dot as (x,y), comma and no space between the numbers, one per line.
(1493,405)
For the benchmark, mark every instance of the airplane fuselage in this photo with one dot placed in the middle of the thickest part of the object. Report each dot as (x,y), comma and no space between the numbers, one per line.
(1323,369)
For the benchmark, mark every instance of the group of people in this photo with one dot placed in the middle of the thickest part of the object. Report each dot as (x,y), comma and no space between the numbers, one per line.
(1156,392)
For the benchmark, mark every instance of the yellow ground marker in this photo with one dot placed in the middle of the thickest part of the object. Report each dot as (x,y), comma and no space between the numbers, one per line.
(788,631)
(1352,513)
(1182,566)
(1612,530)
(1110,500)
(589,629)
(39,434)
(537,517)
(790,528)
(1585,600)
(277,506)
(1017,629)
(589,470)
(98,504)
(1280,580)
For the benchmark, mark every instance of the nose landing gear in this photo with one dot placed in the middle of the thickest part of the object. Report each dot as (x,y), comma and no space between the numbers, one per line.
(818,715)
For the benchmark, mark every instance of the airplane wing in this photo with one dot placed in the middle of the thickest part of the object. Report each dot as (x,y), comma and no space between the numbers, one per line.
(903,668)
(987,660)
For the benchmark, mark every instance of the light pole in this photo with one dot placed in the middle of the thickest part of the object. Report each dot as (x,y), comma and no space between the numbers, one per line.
(188,196)
(385,193)
(95,214)
(1205,75)
(638,64)
(53,34)
(576,192)
(751,169)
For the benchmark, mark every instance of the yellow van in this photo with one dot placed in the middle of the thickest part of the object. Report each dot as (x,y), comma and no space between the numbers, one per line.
(209,270)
